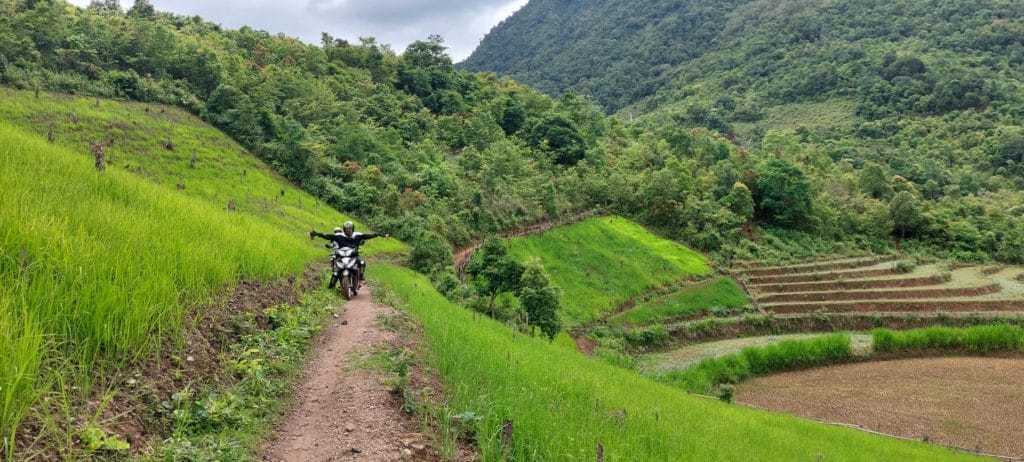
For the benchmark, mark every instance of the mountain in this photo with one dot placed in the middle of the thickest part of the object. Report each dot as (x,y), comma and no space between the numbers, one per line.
(962,54)
(925,148)
(613,50)
(920,98)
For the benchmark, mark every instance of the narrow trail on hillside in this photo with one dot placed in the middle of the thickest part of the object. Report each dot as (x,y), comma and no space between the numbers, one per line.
(462,256)
(342,413)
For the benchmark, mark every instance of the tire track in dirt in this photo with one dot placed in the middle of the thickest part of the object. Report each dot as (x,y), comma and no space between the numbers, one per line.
(341,413)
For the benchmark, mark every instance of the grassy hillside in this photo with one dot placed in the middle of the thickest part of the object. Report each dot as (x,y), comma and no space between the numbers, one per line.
(563,404)
(601,262)
(721,293)
(104,265)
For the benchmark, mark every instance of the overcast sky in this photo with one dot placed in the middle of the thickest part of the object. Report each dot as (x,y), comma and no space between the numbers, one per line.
(462,23)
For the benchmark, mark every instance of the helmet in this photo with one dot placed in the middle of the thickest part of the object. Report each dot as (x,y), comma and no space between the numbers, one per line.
(337,230)
(349,228)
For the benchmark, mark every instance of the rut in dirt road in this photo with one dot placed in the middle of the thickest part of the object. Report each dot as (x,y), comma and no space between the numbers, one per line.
(341,413)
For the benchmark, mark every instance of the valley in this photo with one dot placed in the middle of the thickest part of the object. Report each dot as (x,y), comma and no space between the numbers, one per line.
(727,230)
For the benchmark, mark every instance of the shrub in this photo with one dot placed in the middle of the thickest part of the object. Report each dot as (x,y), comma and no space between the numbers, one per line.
(652,336)
(430,253)
(788,355)
(905,266)
(977,339)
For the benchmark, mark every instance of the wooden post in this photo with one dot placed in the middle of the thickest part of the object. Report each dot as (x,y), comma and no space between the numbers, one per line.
(101,161)
(600,453)
(506,435)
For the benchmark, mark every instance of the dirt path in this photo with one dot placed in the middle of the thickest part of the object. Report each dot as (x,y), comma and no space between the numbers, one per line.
(972,403)
(342,413)
(461,256)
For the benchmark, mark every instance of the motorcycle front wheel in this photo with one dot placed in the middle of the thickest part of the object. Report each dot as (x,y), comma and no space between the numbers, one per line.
(347,288)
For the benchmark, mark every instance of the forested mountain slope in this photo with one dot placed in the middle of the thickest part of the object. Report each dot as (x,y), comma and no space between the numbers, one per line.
(920,99)
(623,52)
(442,156)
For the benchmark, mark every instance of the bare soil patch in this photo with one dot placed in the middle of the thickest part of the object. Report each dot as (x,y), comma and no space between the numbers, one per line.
(972,403)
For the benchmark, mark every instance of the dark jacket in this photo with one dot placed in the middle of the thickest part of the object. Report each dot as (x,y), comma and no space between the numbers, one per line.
(341,240)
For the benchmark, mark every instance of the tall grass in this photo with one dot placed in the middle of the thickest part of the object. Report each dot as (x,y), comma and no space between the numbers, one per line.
(704,376)
(562,404)
(718,293)
(206,163)
(601,262)
(105,265)
(977,339)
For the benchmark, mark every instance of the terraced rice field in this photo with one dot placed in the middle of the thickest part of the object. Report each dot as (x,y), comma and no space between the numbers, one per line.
(877,285)
(972,403)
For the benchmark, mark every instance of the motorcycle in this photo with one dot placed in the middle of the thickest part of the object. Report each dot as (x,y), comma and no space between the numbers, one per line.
(345,271)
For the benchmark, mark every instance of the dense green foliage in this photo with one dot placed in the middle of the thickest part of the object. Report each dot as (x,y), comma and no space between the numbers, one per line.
(601,262)
(977,339)
(540,300)
(563,404)
(867,99)
(410,143)
(492,271)
(704,376)
(719,295)
(405,142)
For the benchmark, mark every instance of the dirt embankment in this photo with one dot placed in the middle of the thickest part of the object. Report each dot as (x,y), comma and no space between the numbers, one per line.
(887,283)
(942,292)
(814,267)
(907,306)
(751,326)
(200,364)
(827,276)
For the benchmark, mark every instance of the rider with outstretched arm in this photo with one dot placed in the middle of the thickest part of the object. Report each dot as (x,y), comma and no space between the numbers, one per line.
(348,237)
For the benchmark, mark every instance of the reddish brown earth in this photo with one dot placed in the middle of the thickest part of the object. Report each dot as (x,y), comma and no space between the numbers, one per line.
(815,277)
(342,413)
(903,294)
(971,403)
(815,267)
(904,306)
(887,283)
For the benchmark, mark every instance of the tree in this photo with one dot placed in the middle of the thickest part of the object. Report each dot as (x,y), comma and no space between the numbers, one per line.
(558,135)
(430,253)
(540,300)
(513,117)
(873,180)
(784,194)
(740,201)
(492,271)
(142,9)
(905,211)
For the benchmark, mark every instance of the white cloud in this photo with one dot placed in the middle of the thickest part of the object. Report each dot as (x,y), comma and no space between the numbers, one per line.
(396,22)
